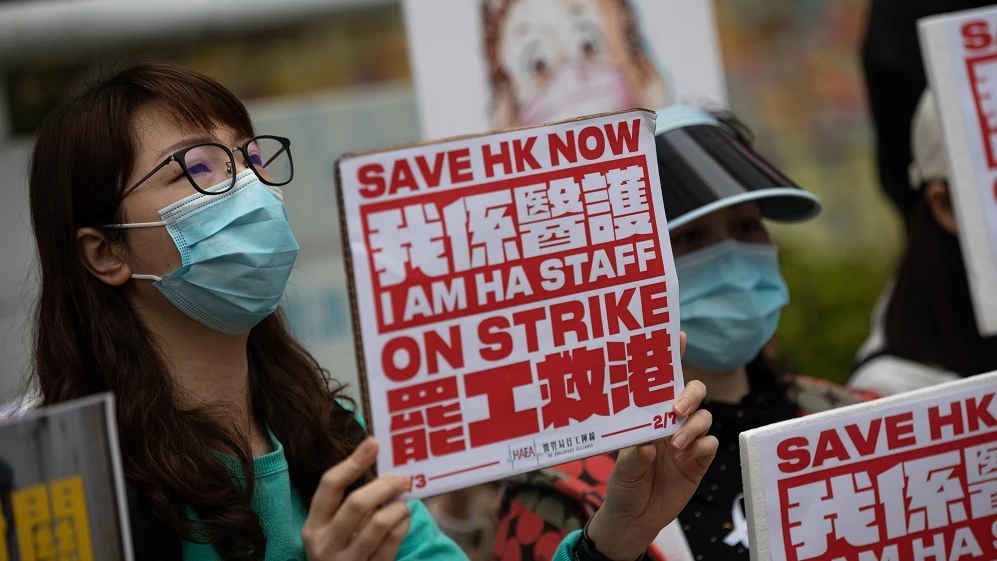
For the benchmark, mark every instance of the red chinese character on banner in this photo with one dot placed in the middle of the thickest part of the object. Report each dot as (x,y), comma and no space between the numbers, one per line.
(649,360)
(628,200)
(983,499)
(393,235)
(425,419)
(843,508)
(565,197)
(572,384)
(616,204)
(981,462)
(619,375)
(554,235)
(922,494)
(503,422)
(641,368)
(550,220)
(531,203)
(480,231)
(981,475)
(597,208)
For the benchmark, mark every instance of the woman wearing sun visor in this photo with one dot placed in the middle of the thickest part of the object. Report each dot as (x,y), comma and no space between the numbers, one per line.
(716,191)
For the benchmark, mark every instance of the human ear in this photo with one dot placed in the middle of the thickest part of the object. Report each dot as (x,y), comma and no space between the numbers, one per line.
(940,205)
(102,258)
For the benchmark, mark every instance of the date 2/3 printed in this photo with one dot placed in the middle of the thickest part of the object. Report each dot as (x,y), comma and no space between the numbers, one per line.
(416,482)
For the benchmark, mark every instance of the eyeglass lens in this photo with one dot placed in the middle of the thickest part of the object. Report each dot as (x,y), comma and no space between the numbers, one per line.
(209,165)
(271,160)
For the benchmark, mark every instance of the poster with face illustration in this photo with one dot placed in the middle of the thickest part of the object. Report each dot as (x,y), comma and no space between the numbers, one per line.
(483,65)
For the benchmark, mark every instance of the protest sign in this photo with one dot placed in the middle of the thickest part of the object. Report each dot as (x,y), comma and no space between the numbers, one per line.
(960,55)
(912,477)
(512,298)
(481,65)
(61,486)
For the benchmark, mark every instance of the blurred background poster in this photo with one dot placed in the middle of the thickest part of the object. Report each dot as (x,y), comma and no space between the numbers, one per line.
(61,485)
(335,76)
(483,65)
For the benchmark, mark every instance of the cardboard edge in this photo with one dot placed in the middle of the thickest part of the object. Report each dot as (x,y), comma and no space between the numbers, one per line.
(981,270)
(56,409)
(351,155)
(351,291)
(117,469)
(979,380)
(949,15)
(754,501)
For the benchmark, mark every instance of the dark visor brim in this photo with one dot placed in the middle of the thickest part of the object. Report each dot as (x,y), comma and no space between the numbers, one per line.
(704,168)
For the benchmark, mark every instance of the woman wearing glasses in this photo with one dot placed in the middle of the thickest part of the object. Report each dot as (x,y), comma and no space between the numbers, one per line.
(165,250)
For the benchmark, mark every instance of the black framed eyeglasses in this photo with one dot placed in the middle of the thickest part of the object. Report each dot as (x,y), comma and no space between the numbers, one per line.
(210,164)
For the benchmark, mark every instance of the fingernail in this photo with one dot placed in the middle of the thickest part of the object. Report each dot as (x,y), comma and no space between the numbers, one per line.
(370,448)
(679,440)
(681,406)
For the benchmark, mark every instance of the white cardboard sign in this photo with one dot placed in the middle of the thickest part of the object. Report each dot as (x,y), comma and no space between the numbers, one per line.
(960,55)
(912,477)
(514,298)
(481,65)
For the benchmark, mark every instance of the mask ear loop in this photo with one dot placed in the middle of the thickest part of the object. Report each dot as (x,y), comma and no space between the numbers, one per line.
(136,225)
(140,225)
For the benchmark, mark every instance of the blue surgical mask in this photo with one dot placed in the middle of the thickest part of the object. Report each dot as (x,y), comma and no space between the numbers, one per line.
(730,297)
(236,251)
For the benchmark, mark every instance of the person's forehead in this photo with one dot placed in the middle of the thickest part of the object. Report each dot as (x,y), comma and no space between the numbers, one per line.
(155,128)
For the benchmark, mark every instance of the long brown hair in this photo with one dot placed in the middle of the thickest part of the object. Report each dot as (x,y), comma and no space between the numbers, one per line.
(930,318)
(87,338)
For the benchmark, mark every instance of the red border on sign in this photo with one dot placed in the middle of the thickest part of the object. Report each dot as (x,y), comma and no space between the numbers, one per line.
(978,97)
(644,426)
(465,470)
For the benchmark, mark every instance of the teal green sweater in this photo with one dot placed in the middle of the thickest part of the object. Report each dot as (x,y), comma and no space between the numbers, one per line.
(283,513)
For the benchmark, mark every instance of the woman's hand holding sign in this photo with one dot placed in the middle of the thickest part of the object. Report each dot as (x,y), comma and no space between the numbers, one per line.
(369,524)
(652,482)
(649,486)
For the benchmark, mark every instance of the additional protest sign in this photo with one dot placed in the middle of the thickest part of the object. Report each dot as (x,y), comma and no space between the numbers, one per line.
(960,54)
(512,297)
(482,65)
(61,486)
(912,477)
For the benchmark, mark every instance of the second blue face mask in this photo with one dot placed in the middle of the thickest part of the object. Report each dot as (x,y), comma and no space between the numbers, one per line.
(731,295)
